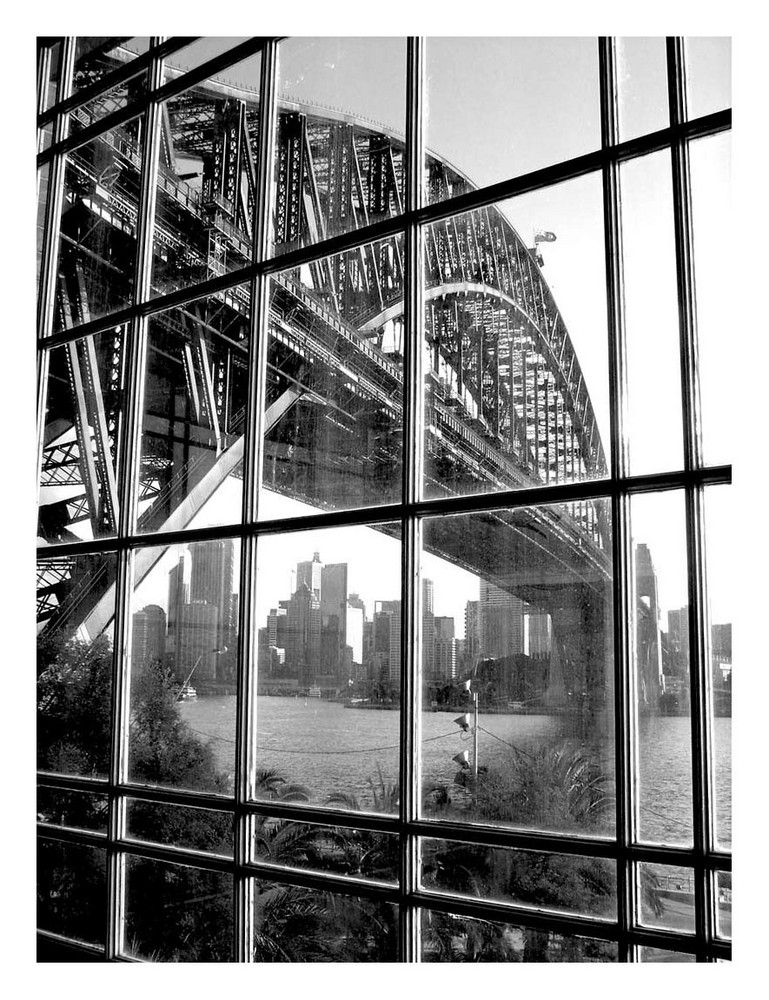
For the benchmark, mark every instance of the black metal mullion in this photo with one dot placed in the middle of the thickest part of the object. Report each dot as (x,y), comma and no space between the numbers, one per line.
(622,605)
(699,679)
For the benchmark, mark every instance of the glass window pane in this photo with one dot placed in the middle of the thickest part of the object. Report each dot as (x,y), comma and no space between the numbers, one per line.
(75,611)
(191,471)
(642,86)
(651,316)
(724,904)
(532,710)
(72,891)
(81,810)
(666,897)
(294,924)
(719,548)
(43,188)
(196,53)
(563,882)
(97,56)
(78,495)
(329,617)
(206,186)
(178,914)
(49,56)
(184,622)
(516,382)
(113,99)
(98,226)
(660,625)
(660,955)
(710,161)
(709,71)
(500,107)
(341,850)
(340,136)
(449,937)
(334,401)
(181,826)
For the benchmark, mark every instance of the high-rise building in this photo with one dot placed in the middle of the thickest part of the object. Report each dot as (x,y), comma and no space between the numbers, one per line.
(501,617)
(472,646)
(148,636)
(211,580)
(678,640)
(196,641)
(650,682)
(387,640)
(310,574)
(303,630)
(445,649)
(537,633)
(333,612)
(428,629)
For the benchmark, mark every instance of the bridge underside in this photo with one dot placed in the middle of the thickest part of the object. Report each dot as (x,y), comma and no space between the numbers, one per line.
(506,404)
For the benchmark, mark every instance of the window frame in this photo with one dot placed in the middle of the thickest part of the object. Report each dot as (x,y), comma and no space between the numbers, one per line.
(704,857)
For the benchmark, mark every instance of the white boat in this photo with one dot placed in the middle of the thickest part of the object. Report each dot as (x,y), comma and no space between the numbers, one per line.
(187,693)
(314,692)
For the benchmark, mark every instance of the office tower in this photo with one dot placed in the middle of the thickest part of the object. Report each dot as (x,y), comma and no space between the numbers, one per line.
(501,617)
(678,640)
(428,630)
(196,641)
(333,612)
(445,649)
(303,630)
(310,574)
(472,646)
(148,636)
(211,581)
(387,640)
(178,592)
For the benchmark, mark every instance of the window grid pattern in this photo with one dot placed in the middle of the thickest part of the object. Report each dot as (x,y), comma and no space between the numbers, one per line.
(704,858)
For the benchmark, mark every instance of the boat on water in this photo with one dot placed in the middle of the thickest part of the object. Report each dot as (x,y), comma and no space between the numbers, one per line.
(314,692)
(187,693)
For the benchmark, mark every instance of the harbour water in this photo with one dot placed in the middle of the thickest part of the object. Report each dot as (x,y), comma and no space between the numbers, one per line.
(329,749)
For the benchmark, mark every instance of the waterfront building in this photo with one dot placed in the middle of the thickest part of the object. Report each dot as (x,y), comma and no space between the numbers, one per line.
(445,668)
(148,636)
(501,622)
(197,635)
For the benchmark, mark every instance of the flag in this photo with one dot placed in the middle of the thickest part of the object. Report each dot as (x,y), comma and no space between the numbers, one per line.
(542,236)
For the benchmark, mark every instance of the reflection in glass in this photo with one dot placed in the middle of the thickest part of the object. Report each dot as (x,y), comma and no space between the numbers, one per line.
(43,184)
(651,315)
(75,610)
(338,170)
(515,382)
(78,496)
(184,648)
(500,107)
(107,102)
(200,51)
(97,56)
(206,183)
(562,882)
(293,924)
(666,897)
(49,58)
(81,810)
(719,549)
(72,891)
(724,904)
(180,826)
(529,696)
(660,624)
(98,226)
(194,414)
(709,75)
(710,161)
(341,850)
(334,401)
(329,620)
(448,937)
(661,955)
(642,86)
(177,914)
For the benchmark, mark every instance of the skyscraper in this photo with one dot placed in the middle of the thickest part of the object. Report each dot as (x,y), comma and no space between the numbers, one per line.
(445,649)
(501,616)
(148,636)
(211,581)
